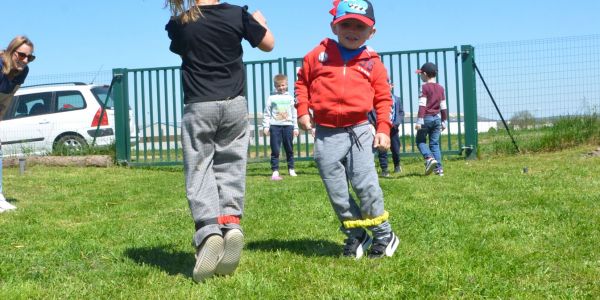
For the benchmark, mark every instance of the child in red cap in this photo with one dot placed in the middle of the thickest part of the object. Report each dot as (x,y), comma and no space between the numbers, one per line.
(340,82)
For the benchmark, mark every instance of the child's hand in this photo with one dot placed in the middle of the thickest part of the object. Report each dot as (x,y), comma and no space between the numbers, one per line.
(381,142)
(418,126)
(266,131)
(443,126)
(296,132)
(305,122)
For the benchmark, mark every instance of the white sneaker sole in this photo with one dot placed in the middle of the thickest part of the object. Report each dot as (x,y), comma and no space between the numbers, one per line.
(232,252)
(207,258)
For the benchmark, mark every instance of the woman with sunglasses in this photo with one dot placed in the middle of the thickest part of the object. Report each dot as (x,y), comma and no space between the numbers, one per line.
(14,70)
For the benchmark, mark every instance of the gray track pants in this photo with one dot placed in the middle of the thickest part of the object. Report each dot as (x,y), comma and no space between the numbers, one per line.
(345,154)
(215,145)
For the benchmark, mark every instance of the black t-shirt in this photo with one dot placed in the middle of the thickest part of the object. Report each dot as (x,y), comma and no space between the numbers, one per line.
(211,51)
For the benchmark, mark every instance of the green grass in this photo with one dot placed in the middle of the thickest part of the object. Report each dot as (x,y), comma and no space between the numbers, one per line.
(564,133)
(485,230)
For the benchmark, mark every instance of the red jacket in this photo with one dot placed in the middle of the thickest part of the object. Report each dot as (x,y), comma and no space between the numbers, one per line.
(342,95)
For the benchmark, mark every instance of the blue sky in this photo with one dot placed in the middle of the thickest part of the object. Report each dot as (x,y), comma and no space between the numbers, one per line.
(83,36)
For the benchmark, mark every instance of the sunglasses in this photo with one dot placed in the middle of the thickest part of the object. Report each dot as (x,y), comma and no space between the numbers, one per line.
(23,56)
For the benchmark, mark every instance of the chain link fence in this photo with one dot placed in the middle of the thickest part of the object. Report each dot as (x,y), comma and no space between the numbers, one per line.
(535,81)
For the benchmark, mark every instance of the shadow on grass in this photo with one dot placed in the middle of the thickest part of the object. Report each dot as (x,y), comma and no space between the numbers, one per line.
(171,261)
(306,247)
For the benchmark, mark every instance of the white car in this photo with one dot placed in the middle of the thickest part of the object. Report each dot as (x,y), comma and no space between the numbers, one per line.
(55,117)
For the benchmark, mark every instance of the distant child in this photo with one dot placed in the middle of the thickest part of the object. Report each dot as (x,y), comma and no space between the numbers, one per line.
(207,35)
(280,122)
(341,81)
(396,117)
(431,119)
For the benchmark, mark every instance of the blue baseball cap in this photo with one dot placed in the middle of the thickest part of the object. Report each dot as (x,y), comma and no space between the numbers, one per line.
(361,10)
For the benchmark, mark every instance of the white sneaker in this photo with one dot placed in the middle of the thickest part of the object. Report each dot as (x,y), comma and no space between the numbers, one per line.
(293,173)
(232,252)
(4,205)
(276,176)
(207,257)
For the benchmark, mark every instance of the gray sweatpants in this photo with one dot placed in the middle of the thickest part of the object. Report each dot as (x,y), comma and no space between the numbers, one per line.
(215,145)
(345,155)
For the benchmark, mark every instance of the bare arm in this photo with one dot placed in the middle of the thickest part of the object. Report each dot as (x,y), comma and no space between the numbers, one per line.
(268,41)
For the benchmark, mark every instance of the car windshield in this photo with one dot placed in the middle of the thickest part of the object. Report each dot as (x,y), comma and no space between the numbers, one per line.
(100,93)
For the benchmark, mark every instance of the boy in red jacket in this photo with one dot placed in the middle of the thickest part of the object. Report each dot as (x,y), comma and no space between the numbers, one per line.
(340,82)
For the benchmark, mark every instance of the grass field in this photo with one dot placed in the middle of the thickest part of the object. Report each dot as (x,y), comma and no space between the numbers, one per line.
(485,230)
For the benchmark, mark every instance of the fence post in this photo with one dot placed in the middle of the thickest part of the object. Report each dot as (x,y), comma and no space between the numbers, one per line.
(469,100)
(122,133)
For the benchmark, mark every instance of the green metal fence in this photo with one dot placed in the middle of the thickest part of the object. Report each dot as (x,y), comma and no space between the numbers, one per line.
(155,96)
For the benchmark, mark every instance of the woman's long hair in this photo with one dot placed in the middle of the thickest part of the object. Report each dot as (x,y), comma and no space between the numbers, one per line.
(6,55)
(186,10)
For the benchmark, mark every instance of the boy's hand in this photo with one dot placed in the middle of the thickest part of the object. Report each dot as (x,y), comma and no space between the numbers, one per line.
(443,126)
(381,142)
(296,132)
(305,122)
(418,127)
(266,131)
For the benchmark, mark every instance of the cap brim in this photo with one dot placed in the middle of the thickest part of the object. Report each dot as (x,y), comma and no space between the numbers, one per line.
(419,71)
(363,19)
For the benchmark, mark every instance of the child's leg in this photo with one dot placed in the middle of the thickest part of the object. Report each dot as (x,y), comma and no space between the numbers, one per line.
(434,140)
(231,157)
(421,141)
(199,124)
(331,147)
(288,140)
(395,146)
(383,159)
(363,176)
(276,136)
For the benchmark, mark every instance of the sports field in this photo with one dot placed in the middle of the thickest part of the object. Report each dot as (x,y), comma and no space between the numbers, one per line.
(485,230)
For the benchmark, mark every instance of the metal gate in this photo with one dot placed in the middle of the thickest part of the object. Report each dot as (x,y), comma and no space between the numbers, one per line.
(155,95)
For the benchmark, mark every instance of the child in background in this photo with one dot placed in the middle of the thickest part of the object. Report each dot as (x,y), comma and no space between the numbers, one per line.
(396,117)
(342,81)
(431,120)
(207,35)
(280,122)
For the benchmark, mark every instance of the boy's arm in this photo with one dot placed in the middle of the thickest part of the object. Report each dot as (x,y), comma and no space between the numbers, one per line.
(268,41)
(294,114)
(302,95)
(422,108)
(382,101)
(267,115)
(444,111)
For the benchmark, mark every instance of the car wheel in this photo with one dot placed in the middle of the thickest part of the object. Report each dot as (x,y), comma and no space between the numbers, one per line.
(70,144)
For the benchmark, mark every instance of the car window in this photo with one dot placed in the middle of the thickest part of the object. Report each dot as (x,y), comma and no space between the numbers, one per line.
(100,93)
(31,105)
(69,100)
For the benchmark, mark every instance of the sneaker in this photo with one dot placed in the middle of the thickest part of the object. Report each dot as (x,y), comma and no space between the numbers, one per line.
(5,205)
(430,165)
(398,169)
(385,247)
(276,176)
(439,172)
(356,247)
(385,173)
(293,173)
(207,257)
(232,252)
